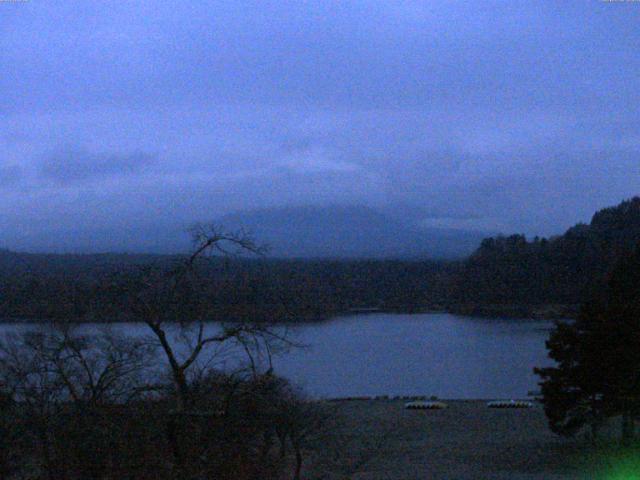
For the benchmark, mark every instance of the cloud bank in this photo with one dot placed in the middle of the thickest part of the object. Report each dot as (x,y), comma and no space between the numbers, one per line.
(144,116)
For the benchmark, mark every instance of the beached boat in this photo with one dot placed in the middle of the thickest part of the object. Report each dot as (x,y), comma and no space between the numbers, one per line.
(510,404)
(423,405)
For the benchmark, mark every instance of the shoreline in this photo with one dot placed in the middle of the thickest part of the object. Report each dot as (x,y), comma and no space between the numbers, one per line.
(511,312)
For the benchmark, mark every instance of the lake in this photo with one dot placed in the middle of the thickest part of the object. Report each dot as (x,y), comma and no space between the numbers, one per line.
(420,354)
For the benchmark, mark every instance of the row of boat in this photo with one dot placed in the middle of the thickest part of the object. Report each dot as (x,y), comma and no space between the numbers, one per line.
(437,405)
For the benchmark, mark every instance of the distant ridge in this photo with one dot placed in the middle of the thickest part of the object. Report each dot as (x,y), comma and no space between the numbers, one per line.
(349,232)
(507,276)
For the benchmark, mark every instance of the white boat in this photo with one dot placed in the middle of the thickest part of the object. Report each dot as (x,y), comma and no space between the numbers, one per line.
(510,404)
(423,405)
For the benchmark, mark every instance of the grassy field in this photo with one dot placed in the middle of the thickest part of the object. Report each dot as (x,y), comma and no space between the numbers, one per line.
(465,441)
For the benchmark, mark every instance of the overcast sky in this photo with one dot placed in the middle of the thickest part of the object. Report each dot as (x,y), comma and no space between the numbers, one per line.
(121,119)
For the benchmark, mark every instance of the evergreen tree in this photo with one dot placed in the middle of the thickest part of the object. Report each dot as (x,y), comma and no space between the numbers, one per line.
(597,372)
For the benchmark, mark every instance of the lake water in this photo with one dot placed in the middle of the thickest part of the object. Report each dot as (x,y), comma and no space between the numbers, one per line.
(431,354)
(425,354)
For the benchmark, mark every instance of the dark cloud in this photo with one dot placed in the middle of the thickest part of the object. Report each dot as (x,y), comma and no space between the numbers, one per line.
(511,116)
(10,176)
(76,165)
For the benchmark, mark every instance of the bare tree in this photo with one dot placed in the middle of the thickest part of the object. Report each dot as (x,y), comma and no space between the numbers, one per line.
(304,423)
(176,305)
(30,381)
(76,390)
(65,385)
(103,368)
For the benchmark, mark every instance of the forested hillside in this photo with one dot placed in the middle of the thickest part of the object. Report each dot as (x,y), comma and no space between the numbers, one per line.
(513,275)
(506,276)
(95,286)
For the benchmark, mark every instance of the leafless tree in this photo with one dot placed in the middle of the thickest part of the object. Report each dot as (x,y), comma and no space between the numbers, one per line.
(176,305)
(84,394)
(304,423)
(88,368)
(65,384)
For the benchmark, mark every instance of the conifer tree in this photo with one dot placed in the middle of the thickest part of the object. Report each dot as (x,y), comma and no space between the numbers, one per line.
(597,371)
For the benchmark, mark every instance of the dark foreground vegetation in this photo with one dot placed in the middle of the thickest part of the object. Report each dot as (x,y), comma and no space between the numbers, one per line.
(506,276)
(93,407)
(91,287)
(77,406)
(597,372)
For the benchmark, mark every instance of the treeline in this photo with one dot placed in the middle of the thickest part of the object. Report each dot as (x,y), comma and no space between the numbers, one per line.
(93,287)
(514,275)
(506,276)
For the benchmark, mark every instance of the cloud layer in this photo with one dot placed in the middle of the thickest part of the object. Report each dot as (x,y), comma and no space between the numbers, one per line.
(145,116)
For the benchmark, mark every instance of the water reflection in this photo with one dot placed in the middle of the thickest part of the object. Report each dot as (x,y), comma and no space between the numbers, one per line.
(389,354)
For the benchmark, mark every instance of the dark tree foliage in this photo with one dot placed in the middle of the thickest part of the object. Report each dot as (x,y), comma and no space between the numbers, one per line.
(598,360)
(91,287)
(82,407)
(512,271)
(8,435)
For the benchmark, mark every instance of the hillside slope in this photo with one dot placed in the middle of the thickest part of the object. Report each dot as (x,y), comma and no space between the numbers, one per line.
(349,232)
(510,274)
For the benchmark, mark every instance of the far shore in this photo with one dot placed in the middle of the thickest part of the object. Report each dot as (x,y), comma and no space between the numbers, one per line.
(516,311)
(513,312)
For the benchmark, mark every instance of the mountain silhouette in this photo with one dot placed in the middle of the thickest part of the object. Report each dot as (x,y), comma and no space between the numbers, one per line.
(348,232)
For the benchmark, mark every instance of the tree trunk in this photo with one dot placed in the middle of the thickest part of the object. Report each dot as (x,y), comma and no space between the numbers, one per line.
(174,442)
(267,440)
(283,444)
(182,390)
(296,475)
(45,445)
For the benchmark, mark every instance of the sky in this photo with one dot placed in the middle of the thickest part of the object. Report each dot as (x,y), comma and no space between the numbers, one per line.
(123,122)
